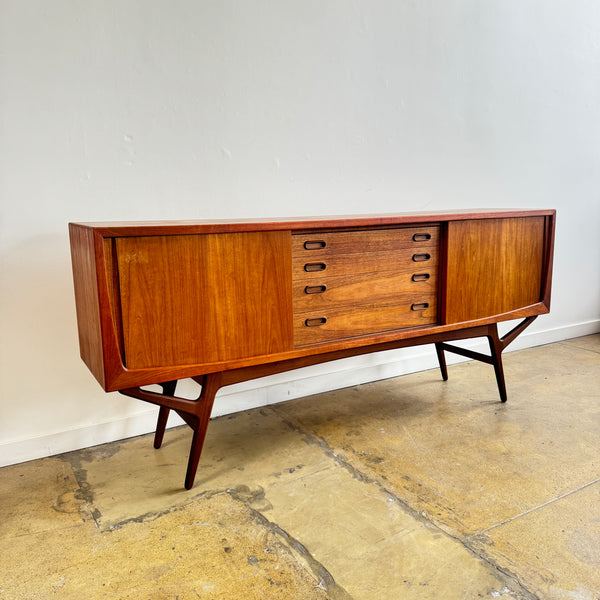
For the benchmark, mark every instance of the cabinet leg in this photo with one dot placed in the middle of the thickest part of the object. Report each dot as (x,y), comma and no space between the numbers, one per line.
(161,425)
(442,360)
(163,414)
(210,386)
(196,413)
(496,347)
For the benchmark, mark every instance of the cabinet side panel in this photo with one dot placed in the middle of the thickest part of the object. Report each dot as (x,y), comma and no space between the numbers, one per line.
(191,299)
(493,266)
(86,299)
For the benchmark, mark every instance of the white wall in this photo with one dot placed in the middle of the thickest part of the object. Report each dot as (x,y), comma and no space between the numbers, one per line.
(147,109)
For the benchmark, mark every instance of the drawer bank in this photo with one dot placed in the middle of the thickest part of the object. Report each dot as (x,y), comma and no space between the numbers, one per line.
(223,302)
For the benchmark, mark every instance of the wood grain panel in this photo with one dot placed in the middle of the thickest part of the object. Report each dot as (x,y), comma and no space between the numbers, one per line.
(338,265)
(83,262)
(204,298)
(494,266)
(366,288)
(358,242)
(350,322)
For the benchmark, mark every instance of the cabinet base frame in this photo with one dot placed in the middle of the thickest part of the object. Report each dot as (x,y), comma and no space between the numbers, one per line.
(196,413)
(497,345)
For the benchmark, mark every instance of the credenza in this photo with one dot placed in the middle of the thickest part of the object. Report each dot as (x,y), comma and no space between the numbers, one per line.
(223,302)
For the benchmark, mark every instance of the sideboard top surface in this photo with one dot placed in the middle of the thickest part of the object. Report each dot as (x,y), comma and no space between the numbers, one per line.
(133,228)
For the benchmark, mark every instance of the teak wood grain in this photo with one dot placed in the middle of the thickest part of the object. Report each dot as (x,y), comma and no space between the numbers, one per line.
(307,244)
(294,224)
(87,304)
(337,265)
(493,266)
(364,288)
(362,320)
(204,298)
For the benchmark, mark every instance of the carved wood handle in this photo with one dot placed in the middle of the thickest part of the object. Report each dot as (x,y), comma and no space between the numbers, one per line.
(314,267)
(421,257)
(315,289)
(315,244)
(420,306)
(315,322)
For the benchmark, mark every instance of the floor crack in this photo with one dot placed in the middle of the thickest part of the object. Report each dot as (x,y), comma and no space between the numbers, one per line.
(504,574)
(535,508)
(325,580)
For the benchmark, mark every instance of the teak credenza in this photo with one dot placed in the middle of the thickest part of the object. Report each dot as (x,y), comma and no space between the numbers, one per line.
(228,301)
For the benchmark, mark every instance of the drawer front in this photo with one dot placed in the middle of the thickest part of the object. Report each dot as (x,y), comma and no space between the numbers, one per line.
(335,324)
(354,283)
(337,265)
(308,245)
(385,288)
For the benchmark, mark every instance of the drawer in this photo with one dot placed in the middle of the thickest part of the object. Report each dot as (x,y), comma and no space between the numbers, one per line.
(336,265)
(355,242)
(389,287)
(334,324)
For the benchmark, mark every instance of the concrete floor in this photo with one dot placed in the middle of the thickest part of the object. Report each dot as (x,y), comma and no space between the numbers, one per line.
(406,488)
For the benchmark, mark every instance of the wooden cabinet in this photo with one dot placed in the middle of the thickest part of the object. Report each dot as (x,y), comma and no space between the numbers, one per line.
(228,301)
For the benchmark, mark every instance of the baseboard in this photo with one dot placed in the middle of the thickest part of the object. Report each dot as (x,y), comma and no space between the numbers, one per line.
(277,388)
(13,452)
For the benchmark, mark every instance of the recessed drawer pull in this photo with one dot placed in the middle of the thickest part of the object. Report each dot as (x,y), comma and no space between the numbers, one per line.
(421,237)
(420,306)
(420,277)
(314,267)
(315,289)
(315,322)
(315,245)
(421,257)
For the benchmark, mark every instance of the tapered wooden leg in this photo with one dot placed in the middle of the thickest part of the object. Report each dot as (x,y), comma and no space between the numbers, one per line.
(196,413)
(496,347)
(442,360)
(163,413)
(210,386)
(194,457)
(161,425)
